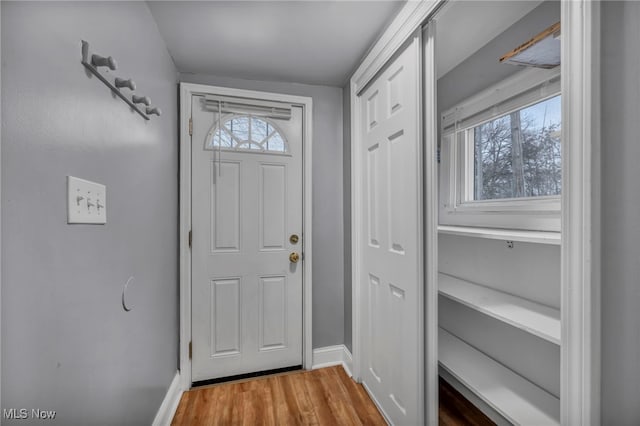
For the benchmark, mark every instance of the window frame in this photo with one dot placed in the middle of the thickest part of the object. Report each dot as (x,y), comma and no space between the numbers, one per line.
(456,205)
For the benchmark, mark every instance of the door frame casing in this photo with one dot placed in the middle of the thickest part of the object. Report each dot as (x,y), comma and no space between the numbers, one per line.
(580,216)
(187,90)
(580,350)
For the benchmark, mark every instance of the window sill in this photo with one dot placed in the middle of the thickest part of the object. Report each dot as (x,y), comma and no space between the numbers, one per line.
(539,237)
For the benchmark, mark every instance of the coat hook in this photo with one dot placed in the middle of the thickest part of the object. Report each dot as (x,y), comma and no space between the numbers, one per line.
(155,110)
(99,61)
(121,82)
(141,100)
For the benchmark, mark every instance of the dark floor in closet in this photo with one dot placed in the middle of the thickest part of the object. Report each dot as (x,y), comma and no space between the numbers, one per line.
(456,410)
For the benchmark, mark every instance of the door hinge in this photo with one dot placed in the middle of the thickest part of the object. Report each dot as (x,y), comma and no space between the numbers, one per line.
(190,350)
(190,126)
(190,238)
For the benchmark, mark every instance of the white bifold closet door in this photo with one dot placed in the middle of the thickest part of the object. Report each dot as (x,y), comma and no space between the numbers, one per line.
(391,277)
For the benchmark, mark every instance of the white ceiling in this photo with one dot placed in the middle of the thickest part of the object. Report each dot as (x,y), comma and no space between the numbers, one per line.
(313,42)
(463,27)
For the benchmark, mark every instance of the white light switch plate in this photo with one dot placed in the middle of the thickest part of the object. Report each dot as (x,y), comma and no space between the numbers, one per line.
(87,201)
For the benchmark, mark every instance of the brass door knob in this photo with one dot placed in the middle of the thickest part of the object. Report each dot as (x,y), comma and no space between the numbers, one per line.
(294,257)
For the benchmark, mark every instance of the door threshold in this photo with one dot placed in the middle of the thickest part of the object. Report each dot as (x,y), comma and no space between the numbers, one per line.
(242,377)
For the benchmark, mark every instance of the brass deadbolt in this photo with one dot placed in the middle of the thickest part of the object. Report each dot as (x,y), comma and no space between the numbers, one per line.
(294,239)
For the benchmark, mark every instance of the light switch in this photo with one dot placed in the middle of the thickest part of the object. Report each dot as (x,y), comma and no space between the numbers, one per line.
(87,201)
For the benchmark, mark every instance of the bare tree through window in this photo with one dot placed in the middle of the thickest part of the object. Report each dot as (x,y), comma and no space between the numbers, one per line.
(518,155)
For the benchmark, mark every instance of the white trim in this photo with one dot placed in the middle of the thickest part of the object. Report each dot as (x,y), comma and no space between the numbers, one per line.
(580,258)
(0,231)
(347,361)
(539,237)
(169,405)
(187,90)
(410,18)
(329,356)
(430,189)
(356,213)
(185,227)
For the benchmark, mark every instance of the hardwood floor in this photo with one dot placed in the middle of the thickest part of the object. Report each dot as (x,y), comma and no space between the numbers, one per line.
(456,410)
(320,397)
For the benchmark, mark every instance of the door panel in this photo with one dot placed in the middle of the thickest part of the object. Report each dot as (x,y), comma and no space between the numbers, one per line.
(225,207)
(273,205)
(246,294)
(225,318)
(273,312)
(391,246)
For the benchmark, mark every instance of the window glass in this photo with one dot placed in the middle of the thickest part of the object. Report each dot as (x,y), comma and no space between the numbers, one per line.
(275,143)
(259,129)
(223,139)
(239,127)
(518,155)
(247,133)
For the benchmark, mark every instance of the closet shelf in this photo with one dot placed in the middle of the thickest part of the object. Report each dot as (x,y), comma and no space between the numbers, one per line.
(534,318)
(511,395)
(540,237)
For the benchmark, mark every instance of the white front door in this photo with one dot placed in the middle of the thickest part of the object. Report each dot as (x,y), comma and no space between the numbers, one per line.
(246,212)
(391,241)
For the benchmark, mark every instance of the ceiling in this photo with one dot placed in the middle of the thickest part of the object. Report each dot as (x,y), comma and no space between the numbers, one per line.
(312,42)
(463,27)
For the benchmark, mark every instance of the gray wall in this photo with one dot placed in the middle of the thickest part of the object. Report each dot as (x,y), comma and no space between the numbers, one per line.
(328,261)
(620,224)
(67,343)
(346,172)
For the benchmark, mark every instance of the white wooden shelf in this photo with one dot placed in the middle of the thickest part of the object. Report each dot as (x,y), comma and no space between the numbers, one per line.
(512,396)
(540,237)
(534,318)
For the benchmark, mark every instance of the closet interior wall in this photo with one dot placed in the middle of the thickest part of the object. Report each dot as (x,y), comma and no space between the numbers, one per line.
(527,270)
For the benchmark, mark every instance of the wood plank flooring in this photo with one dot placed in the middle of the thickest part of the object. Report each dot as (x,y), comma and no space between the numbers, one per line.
(320,397)
(327,396)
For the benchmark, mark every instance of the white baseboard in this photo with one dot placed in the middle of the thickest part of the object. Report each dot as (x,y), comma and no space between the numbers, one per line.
(333,355)
(347,361)
(169,405)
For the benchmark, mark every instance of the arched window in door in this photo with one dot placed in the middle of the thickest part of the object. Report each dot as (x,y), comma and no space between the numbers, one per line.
(247,133)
